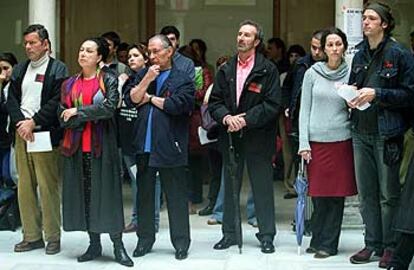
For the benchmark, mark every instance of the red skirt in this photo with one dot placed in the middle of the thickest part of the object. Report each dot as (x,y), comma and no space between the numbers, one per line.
(331,170)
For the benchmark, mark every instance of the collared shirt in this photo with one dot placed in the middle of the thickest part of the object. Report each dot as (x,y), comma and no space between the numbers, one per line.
(148,136)
(243,70)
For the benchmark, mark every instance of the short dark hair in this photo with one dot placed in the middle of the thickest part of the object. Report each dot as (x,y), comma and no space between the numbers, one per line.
(296,48)
(170,29)
(103,46)
(384,11)
(123,46)
(412,34)
(9,58)
(112,36)
(39,29)
(318,34)
(278,42)
(259,29)
(202,45)
(333,31)
(141,48)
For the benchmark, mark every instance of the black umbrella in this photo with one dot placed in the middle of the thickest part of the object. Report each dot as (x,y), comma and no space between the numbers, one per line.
(232,167)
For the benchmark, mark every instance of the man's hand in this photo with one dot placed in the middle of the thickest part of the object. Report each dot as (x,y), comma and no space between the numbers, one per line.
(306,155)
(235,122)
(68,113)
(152,73)
(25,129)
(365,95)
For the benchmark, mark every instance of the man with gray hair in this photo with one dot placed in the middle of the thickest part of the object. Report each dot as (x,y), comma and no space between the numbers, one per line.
(245,101)
(164,98)
(34,96)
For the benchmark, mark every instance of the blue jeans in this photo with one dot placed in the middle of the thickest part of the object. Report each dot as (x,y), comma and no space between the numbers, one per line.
(379,190)
(218,207)
(130,162)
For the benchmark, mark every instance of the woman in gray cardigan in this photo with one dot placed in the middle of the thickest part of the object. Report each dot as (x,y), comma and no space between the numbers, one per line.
(325,143)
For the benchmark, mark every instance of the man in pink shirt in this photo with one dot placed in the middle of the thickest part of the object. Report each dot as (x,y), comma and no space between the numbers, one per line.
(246,100)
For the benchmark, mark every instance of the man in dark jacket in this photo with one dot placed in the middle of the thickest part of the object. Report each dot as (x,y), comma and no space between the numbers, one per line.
(164,97)
(32,103)
(383,73)
(245,100)
(291,90)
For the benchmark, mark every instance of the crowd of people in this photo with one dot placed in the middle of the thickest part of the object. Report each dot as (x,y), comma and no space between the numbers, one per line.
(143,106)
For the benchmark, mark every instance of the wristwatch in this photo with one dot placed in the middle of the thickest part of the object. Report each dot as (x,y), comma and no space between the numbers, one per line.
(150,98)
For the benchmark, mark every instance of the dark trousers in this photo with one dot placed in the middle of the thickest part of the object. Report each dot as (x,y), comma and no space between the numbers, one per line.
(378,190)
(403,253)
(195,178)
(326,223)
(260,172)
(215,166)
(174,186)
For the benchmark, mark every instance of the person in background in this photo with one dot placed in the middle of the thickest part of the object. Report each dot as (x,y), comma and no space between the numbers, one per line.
(137,61)
(112,62)
(200,48)
(122,53)
(92,188)
(32,102)
(7,63)
(276,52)
(197,152)
(324,132)
(294,53)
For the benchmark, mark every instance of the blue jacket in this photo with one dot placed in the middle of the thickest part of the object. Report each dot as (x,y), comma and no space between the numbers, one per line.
(393,81)
(170,127)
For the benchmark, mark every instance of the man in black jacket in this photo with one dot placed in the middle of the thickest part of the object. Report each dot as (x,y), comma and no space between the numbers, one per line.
(32,103)
(164,98)
(246,100)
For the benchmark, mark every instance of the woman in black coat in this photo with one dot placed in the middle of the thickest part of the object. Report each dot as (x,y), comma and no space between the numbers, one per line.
(92,189)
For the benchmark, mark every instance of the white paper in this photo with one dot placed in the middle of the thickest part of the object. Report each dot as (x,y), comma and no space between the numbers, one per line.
(348,93)
(41,142)
(202,135)
(133,169)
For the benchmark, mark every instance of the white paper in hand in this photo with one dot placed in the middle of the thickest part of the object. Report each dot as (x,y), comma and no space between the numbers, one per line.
(202,134)
(41,143)
(348,93)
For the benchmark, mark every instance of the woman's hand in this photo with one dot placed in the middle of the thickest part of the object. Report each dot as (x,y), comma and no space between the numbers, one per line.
(68,113)
(306,155)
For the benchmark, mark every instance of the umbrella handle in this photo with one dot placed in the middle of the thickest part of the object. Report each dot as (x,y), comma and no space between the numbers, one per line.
(302,166)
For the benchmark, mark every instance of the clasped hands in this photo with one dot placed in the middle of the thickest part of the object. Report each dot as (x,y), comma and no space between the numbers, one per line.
(25,129)
(68,113)
(235,123)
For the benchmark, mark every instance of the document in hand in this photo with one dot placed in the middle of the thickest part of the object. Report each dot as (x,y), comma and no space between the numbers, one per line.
(41,143)
(348,93)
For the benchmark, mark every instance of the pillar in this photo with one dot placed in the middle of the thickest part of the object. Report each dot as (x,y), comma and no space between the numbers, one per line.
(44,12)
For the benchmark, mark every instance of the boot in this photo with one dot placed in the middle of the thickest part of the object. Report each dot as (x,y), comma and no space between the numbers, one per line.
(94,250)
(121,256)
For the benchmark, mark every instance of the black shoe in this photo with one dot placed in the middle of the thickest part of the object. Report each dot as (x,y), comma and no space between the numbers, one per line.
(141,250)
(267,246)
(290,195)
(121,256)
(181,254)
(93,252)
(311,250)
(24,245)
(206,211)
(225,243)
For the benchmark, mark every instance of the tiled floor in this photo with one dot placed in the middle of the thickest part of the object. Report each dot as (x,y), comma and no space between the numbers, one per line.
(201,255)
